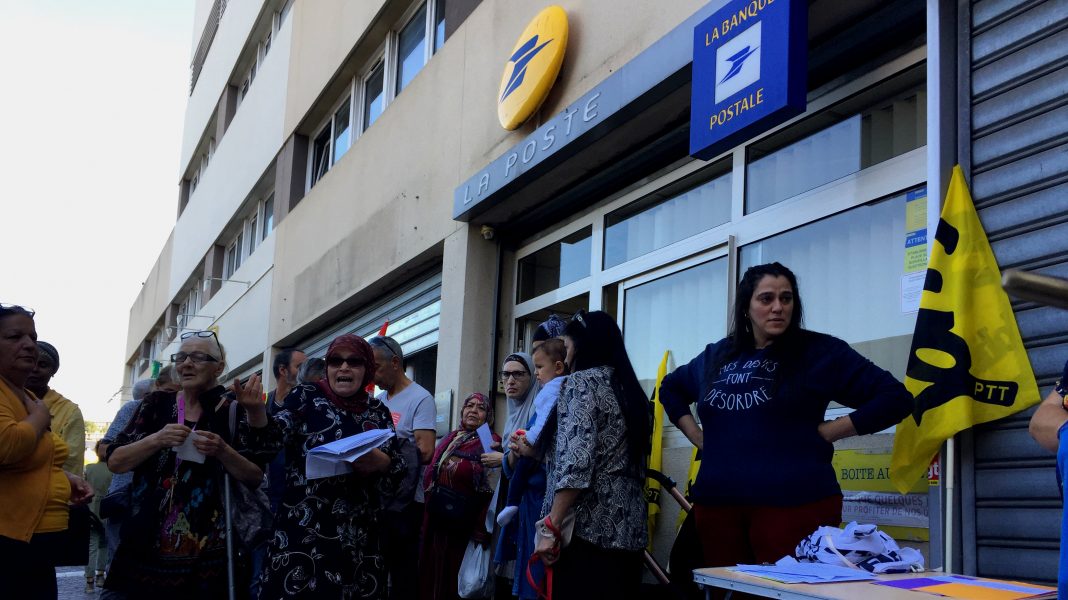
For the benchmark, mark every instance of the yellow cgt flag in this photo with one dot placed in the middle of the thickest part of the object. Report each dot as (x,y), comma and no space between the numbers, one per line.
(656,458)
(967,364)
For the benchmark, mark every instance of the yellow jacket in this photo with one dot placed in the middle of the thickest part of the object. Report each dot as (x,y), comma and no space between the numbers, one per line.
(68,424)
(26,469)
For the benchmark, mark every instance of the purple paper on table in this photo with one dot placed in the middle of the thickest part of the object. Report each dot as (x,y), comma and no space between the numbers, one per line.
(909,584)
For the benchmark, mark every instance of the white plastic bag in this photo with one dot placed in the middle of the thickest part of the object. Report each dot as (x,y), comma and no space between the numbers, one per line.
(474,580)
(859,546)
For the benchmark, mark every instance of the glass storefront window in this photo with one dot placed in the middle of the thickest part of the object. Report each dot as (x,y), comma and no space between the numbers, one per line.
(669,215)
(556,265)
(526,324)
(849,269)
(867,129)
(681,312)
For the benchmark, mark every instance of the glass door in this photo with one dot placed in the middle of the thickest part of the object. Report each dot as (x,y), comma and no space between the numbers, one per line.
(680,308)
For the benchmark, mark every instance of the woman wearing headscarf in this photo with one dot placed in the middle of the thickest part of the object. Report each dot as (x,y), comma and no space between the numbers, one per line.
(457,473)
(326,539)
(180,447)
(520,388)
(34,489)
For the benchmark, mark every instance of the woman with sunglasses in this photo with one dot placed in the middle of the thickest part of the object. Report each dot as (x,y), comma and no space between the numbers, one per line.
(34,489)
(593,528)
(178,446)
(326,540)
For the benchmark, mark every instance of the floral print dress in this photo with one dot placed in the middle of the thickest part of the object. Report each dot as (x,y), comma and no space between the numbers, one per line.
(326,539)
(173,543)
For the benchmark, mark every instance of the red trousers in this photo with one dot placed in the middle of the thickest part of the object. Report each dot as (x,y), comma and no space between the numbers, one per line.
(745,534)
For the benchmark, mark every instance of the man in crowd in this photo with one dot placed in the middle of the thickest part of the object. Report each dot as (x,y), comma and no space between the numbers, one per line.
(285,367)
(414,415)
(114,503)
(67,421)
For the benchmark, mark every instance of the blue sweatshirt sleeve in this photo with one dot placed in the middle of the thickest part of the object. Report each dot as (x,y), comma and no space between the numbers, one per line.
(880,400)
(682,386)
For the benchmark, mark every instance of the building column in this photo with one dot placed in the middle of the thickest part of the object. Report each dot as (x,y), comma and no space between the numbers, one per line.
(465,338)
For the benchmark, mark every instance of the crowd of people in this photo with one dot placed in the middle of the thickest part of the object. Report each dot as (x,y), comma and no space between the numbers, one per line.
(205,490)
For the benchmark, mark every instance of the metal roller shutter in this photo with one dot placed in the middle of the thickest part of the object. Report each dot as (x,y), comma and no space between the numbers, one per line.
(1014,146)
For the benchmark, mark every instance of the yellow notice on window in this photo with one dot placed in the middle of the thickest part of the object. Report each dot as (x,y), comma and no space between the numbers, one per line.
(869,496)
(916,231)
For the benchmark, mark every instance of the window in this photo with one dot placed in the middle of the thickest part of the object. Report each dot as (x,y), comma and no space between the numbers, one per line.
(250,231)
(674,213)
(404,53)
(411,49)
(439,24)
(886,121)
(268,216)
(555,265)
(321,154)
(282,14)
(374,99)
(266,45)
(233,257)
(342,130)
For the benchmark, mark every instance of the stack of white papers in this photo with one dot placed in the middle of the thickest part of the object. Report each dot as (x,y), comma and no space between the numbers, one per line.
(788,570)
(336,458)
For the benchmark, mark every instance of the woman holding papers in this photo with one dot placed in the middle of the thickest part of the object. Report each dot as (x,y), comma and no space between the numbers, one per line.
(178,446)
(766,480)
(326,540)
(458,492)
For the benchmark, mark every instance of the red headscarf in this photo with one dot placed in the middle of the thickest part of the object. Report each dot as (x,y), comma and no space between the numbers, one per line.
(358,346)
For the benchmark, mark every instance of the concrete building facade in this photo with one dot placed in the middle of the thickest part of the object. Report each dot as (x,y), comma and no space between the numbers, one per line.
(342,165)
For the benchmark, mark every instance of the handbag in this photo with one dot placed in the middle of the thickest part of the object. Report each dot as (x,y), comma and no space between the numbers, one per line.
(475,579)
(115,505)
(447,503)
(250,509)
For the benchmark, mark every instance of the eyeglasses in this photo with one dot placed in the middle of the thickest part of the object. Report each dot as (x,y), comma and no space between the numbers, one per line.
(381,342)
(580,318)
(207,333)
(517,375)
(15,308)
(351,361)
(196,357)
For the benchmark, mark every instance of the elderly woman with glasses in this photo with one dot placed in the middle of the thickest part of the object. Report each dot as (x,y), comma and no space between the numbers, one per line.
(34,489)
(327,537)
(178,446)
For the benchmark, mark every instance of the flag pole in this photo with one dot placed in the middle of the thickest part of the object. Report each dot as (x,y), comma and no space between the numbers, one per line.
(950,471)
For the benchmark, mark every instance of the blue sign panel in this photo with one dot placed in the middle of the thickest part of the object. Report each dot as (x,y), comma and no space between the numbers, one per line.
(749,72)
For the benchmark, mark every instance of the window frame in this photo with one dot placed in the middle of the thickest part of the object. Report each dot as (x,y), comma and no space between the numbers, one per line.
(875,182)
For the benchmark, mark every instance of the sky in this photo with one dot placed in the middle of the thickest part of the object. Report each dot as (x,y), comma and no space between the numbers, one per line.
(91,111)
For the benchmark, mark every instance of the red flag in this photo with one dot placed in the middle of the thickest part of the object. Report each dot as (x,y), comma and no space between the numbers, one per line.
(381,332)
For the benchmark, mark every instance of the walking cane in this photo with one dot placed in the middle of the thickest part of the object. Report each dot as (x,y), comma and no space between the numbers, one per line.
(229,536)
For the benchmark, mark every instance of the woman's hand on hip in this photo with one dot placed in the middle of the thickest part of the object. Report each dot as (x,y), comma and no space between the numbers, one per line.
(171,436)
(210,444)
(80,490)
(492,459)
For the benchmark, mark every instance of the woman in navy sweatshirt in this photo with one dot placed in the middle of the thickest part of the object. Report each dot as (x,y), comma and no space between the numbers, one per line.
(766,480)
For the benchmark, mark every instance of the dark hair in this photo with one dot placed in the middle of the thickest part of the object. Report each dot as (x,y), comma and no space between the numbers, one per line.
(313,367)
(282,359)
(166,375)
(598,342)
(552,348)
(741,334)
